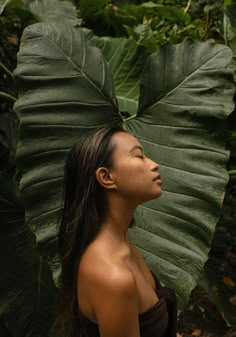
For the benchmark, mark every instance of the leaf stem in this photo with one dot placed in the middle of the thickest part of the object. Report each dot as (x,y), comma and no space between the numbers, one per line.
(188,5)
(232,172)
(129,118)
(10,97)
(6,69)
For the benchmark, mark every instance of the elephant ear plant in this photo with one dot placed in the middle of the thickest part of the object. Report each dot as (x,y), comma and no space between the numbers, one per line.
(186,94)
(219,278)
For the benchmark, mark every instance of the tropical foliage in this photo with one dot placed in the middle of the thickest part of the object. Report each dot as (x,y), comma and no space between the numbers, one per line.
(27,288)
(220,276)
(53,115)
(151,24)
(179,113)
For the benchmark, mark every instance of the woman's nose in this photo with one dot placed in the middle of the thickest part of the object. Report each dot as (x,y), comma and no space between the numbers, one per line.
(154,166)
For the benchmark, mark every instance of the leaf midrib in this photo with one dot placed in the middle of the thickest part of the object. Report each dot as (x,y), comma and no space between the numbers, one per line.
(81,70)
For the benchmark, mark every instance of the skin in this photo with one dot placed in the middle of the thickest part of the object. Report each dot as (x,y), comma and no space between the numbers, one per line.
(112,267)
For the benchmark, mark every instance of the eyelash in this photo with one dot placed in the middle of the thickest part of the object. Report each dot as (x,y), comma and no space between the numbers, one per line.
(140,157)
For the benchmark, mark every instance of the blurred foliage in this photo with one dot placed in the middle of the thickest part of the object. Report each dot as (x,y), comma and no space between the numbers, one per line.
(230,27)
(219,277)
(151,24)
(10,32)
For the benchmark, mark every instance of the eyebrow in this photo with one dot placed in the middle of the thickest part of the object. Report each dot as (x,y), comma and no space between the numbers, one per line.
(136,147)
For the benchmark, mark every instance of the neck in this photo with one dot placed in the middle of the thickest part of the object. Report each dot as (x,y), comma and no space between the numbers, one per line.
(117,221)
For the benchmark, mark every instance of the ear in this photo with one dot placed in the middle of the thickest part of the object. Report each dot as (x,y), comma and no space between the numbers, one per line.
(105,178)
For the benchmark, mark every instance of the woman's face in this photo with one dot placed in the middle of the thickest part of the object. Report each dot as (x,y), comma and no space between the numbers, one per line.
(135,175)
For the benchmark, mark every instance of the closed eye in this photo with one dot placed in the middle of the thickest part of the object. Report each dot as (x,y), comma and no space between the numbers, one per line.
(141,157)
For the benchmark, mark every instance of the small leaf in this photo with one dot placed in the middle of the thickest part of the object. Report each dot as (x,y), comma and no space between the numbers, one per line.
(90,8)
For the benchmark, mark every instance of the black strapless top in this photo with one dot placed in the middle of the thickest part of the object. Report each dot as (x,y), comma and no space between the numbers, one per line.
(157,321)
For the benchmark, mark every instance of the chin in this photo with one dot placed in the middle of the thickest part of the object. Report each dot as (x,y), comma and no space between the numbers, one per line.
(153,196)
(158,194)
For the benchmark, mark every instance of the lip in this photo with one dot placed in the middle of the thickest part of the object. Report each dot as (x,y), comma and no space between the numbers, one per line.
(158,179)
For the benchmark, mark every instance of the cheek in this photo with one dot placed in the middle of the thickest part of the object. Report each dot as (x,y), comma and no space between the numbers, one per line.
(128,172)
(130,167)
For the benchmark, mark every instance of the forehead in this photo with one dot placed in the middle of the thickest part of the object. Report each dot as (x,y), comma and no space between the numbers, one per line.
(124,141)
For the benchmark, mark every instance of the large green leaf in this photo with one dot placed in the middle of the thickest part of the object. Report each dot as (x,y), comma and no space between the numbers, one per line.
(26,287)
(186,94)
(54,10)
(126,62)
(65,90)
(219,278)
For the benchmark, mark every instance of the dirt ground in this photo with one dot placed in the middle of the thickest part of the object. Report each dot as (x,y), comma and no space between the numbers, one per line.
(201,318)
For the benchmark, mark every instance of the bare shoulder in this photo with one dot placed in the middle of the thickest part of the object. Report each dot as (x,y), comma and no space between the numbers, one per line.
(116,304)
(113,296)
(119,279)
(99,272)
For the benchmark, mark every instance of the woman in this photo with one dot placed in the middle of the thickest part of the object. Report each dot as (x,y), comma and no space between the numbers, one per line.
(107,289)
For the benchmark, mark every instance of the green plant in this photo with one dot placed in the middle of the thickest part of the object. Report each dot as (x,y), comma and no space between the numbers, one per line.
(27,290)
(151,23)
(15,15)
(54,128)
(180,121)
(219,277)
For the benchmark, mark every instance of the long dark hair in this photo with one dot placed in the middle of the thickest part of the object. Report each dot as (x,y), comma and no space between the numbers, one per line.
(82,214)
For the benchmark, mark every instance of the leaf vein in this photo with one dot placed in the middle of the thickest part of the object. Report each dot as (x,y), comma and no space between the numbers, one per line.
(179,84)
